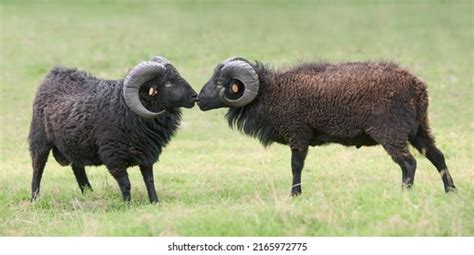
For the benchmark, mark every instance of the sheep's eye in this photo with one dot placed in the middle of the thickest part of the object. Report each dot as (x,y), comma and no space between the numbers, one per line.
(168,84)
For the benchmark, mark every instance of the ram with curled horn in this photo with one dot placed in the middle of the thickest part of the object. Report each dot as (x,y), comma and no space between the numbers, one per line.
(86,121)
(353,104)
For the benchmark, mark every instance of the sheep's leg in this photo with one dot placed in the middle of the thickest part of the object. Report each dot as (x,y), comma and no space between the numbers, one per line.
(81,178)
(147,173)
(298,156)
(39,159)
(39,149)
(121,176)
(424,143)
(407,162)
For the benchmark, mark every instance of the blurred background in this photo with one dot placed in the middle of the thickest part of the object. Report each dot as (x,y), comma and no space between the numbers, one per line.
(213,180)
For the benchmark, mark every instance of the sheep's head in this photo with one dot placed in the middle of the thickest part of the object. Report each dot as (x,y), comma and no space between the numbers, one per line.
(158,83)
(234,83)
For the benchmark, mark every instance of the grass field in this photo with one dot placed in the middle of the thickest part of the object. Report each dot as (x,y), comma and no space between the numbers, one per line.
(215,181)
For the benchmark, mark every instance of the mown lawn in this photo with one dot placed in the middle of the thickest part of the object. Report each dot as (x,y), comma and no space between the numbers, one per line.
(213,180)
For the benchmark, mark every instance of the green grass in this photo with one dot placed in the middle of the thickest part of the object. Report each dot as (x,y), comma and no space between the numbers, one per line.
(213,180)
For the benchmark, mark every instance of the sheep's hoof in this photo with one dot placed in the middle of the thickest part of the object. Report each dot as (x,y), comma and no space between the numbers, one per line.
(451,190)
(34,196)
(295,193)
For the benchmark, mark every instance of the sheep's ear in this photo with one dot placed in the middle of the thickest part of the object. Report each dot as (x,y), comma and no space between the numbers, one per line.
(234,87)
(152,91)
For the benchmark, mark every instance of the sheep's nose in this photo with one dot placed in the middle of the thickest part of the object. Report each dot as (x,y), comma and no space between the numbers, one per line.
(194,97)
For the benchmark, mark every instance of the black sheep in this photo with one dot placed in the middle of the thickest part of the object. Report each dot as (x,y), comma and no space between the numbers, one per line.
(117,123)
(353,104)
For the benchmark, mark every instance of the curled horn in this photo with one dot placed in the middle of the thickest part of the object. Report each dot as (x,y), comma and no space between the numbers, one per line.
(143,72)
(161,60)
(239,69)
(234,59)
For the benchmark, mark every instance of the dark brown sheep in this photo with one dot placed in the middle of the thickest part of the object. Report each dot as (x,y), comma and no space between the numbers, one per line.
(353,104)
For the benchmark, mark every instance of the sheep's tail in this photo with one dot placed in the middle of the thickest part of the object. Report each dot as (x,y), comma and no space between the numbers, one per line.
(422,111)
